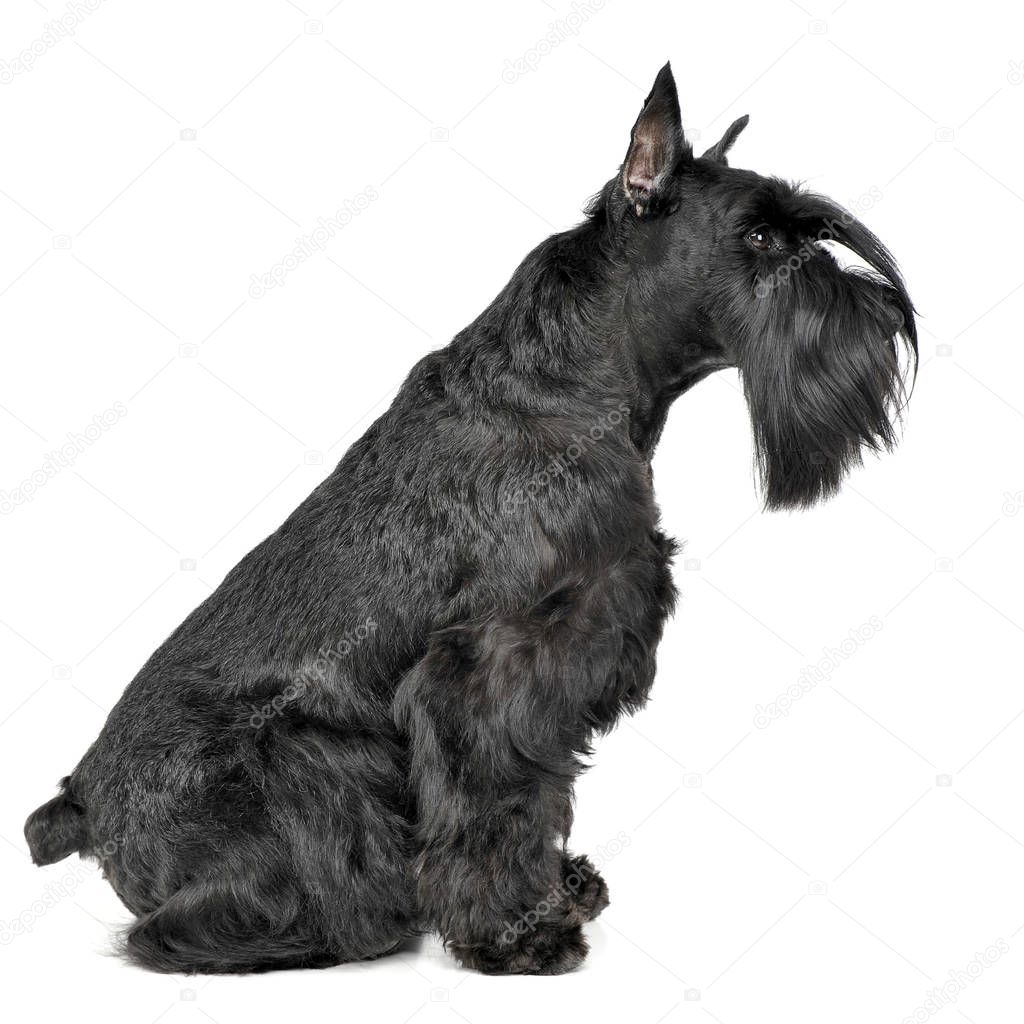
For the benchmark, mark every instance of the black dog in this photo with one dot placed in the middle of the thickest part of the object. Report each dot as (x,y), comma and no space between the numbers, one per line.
(373,726)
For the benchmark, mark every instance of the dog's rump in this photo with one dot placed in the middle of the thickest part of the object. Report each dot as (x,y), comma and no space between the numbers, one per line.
(57,829)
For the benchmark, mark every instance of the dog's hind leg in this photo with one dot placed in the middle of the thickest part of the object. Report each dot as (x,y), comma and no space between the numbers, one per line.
(497,713)
(298,857)
(229,923)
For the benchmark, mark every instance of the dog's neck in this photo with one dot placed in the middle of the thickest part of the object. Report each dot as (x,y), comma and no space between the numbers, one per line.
(668,358)
(569,335)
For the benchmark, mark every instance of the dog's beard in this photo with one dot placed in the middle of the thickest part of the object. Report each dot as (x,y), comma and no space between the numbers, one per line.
(824,354)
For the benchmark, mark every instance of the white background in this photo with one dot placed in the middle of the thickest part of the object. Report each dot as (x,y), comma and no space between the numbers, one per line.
(835,865)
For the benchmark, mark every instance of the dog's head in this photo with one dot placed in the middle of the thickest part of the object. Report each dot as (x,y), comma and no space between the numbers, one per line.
(729,268)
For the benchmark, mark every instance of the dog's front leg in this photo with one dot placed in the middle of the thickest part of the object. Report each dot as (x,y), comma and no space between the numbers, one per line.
(493,758)
(497,713)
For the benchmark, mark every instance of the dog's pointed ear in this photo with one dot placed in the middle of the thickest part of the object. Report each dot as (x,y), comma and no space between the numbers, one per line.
(656,146)
(718,151)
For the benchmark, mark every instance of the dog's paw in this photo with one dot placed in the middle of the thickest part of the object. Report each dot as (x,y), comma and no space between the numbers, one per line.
(547,949)
(588,893)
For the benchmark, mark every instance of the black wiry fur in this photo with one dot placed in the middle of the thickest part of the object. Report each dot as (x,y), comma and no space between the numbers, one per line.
(373,726)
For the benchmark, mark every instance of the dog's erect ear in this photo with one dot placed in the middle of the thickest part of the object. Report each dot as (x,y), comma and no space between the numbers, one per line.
(656,146)
(724,144)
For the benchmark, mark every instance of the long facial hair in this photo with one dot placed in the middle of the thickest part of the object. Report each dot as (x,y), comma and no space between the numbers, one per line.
(824,354)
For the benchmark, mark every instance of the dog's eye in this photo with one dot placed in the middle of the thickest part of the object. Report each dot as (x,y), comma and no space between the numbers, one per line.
(760,237)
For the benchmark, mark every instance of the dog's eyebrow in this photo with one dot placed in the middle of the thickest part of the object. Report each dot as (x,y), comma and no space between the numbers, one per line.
(771,201)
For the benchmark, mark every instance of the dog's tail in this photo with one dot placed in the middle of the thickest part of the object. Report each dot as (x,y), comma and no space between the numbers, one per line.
(56,829)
